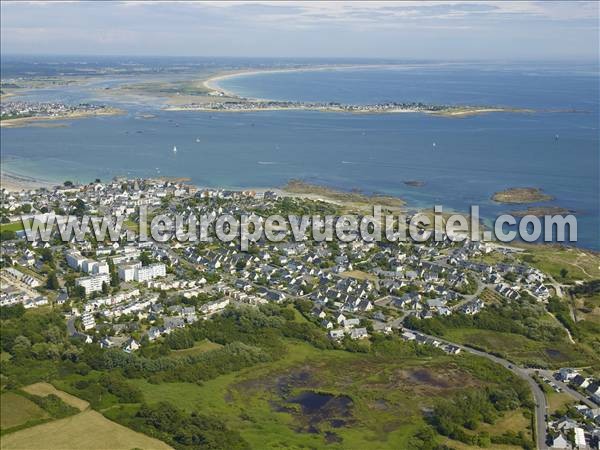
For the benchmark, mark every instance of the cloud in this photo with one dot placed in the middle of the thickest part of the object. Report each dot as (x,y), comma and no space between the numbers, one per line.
(299,27)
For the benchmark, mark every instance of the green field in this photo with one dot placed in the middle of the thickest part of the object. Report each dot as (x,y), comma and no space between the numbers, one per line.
(551,259)
(45,389)
(88,430)
(14,226)
(377,401)
(521,349)
(558,400)
(16,410)
(199,347)
(260,378)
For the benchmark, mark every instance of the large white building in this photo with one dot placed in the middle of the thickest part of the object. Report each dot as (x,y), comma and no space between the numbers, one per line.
(93,283)
(94,267)
(78,262)
(75,259)
(127,271)
(88,321)
(150,272)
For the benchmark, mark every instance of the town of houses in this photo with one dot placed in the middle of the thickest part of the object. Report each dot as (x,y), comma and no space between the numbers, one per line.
(426,280)
(17,109)
(124,294)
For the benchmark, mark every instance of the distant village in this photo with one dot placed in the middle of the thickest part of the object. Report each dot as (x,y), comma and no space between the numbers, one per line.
(128,294)
(258,105)
(18,110)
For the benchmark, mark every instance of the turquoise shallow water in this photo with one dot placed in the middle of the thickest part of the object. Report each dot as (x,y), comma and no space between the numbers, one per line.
(472,158)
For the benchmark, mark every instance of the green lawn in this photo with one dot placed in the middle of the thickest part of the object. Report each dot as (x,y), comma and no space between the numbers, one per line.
(13,226)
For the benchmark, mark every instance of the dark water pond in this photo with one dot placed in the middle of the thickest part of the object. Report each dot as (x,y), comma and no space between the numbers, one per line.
(320,403)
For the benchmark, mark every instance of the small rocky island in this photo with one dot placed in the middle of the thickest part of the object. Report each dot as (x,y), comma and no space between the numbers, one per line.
(541,211)
(521,195)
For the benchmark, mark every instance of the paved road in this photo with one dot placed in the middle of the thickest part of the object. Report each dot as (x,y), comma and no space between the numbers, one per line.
(541,407)
(566,388)
(21,286)
(71,326)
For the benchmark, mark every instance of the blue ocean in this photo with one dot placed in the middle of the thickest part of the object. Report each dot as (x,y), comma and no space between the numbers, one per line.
(461,161)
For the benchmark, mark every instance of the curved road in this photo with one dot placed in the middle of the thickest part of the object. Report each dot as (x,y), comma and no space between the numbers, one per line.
(541,407)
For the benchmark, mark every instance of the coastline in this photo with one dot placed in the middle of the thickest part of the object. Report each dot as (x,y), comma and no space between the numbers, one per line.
(15,182)
(212,82)
(452,112)
(252,104)
(40,120)
(217,91)
(348,200)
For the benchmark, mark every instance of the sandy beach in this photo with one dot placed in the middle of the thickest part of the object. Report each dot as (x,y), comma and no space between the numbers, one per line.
(212,83)
(15,182)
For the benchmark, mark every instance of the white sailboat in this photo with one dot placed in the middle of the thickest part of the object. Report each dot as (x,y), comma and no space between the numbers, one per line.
(174,149)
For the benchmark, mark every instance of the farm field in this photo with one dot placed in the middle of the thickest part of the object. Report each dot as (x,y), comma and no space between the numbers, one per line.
(16,410)
(44,389)
(88,430)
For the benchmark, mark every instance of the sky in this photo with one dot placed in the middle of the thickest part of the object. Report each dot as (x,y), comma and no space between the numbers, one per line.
(460,30)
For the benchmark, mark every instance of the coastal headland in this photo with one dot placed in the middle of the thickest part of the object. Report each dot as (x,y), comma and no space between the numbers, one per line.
(39,120)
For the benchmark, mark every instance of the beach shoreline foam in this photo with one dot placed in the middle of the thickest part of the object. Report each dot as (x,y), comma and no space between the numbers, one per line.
(15,182)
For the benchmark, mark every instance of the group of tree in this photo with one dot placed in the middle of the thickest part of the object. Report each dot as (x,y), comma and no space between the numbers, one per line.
(459,417)
(184,430)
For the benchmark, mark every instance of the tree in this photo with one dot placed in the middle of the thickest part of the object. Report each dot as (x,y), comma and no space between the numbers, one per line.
(79,208)
(21,346)
(114,274)
(47,255)
(105,288)
(7,235)
(68,183)
(52,282)
(145,258)
(564,272)
(12,312)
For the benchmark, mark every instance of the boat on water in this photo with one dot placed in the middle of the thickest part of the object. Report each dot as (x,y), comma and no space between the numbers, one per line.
(197,139)
(174,149)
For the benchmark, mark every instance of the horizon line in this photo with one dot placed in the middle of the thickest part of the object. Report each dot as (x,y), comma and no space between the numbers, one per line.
(364,58)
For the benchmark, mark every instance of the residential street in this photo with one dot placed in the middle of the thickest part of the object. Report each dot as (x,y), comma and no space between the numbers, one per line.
(541,407)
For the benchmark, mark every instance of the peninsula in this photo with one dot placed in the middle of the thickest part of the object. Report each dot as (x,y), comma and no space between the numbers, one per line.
(19,114)
(248,105)
(208,96)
